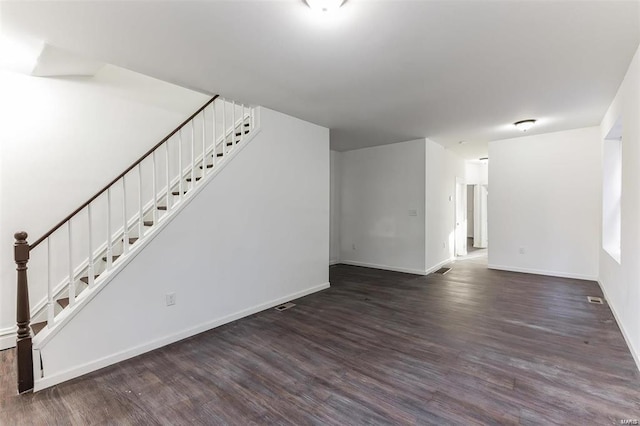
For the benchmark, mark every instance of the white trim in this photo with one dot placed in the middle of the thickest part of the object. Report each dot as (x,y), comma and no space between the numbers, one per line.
(384,267)
(163,341)
(634,353)
(41,339)
(333,262)
(544,272)
(8,337)
(394,268)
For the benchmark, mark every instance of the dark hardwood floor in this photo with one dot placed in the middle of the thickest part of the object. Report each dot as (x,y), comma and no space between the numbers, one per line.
(470,347)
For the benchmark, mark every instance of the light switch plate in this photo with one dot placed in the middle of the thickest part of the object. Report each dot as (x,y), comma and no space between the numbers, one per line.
(171,299)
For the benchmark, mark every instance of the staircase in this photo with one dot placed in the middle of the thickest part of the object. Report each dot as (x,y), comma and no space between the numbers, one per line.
(83,252)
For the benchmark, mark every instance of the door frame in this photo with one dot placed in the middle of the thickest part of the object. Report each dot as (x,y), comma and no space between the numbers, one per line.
(460,218)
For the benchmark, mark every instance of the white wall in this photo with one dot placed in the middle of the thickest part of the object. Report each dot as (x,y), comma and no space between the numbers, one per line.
(256,236)
(63,139)
(621,281)
(397,206)
(381,188)
(476,172)
(443,167)
(336,187)
(544,197)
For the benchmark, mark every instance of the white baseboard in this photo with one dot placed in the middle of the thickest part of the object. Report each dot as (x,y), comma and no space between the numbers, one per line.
(544,272)
(333,262)
(384,267)
(8,338)
(396,269)
(91,366)
(634,353)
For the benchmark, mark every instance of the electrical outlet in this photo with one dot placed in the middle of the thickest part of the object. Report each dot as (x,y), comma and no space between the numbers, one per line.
(413,212)
(171,299)
(521,250)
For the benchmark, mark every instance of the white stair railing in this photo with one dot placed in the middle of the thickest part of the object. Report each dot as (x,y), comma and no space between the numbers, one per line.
(83,250)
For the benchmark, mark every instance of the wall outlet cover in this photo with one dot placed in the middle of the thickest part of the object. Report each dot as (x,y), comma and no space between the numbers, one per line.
(171,299)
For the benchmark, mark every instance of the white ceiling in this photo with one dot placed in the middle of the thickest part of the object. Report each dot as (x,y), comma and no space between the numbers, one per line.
(376,72)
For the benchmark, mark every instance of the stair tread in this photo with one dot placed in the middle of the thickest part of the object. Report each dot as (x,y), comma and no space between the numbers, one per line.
(148,223)
(208,167)
(162,207)
(64,302)
(37,327)
(177,193)
(132,240)
(197,178)
(86,279)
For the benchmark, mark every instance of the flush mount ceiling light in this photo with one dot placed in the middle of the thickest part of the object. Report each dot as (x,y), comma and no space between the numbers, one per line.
(324,5)
(524,125)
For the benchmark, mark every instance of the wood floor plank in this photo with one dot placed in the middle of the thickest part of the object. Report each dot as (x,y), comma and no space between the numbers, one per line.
(473,346)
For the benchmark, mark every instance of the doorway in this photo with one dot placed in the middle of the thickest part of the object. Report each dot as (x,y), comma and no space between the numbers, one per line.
(479,219)
(470,218)
(471,222)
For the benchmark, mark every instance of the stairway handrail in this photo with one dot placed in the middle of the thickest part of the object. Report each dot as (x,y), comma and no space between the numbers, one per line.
(115,180)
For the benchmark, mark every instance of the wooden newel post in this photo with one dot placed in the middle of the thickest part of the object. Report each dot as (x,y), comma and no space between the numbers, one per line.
(24,353)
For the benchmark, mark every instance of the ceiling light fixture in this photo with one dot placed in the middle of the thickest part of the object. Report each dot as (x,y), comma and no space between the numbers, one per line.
(524,125)
(324,5)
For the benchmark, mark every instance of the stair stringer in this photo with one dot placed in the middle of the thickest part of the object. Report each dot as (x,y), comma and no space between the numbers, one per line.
(126,318)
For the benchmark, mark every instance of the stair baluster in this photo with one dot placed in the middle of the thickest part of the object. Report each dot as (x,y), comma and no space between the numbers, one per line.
(90,256)
(109,235)
(140,205)
(154,189)
(50,313)
(125,222)
(72,282)
(168,172)
(204,143)
(233,123)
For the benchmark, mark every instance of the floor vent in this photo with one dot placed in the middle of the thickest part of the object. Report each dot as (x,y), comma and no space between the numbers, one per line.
(285,306)
(593,299)
(442,271)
